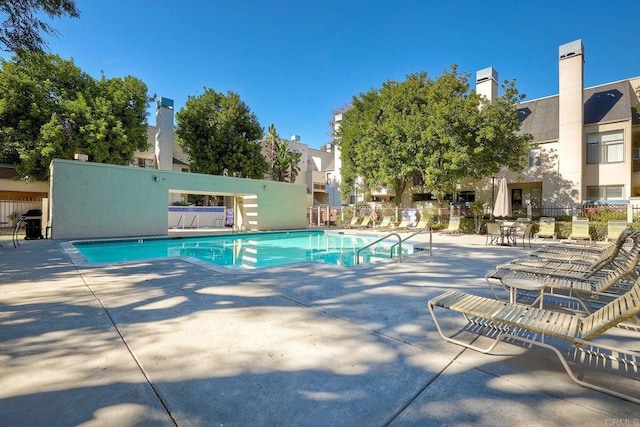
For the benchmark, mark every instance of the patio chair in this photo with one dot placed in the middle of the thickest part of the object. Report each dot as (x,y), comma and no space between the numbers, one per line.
(493,233)
(453,227)
(532,326)
(547,228)
(522,232)
(614,228)
(580,229)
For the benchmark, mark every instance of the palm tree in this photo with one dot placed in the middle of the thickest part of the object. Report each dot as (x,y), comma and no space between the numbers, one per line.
(270,143)
(293,160)
(280,165)
(284,161)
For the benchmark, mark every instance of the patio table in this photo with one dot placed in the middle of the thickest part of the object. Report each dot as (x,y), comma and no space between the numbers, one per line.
(506,233)
(515,283)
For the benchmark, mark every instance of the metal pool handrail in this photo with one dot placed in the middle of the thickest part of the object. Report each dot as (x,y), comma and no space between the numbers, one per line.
(422,230)
(14,236)
(379,240)
(237,228)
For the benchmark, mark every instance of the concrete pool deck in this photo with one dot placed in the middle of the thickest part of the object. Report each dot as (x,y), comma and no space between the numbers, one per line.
(172,342)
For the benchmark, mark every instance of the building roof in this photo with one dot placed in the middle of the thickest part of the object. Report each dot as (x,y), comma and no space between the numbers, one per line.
(540,118)
(605,103)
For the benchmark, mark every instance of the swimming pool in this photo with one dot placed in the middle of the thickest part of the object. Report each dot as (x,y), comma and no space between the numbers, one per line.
(246,251)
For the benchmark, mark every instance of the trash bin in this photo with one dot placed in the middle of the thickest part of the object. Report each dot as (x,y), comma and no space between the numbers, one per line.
(33,224)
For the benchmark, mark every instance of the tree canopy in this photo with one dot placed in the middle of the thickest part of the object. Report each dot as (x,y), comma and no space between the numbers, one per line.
(220,133)
(50,108)
(436,128)
(22,28)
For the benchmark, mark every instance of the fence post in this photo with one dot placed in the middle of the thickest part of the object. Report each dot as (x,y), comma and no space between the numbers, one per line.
(630,212)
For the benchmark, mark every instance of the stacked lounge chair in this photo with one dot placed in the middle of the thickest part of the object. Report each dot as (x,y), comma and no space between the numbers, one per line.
(605,278)
(534,326)
(610,267)
(574,258)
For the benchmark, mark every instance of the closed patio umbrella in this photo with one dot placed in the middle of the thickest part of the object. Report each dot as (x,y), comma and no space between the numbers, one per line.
(502,208)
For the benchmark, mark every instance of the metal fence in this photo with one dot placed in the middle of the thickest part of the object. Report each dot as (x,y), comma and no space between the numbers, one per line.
(337,215)
(10,210)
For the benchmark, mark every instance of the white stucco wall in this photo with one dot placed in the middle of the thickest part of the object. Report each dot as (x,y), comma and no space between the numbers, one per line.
(92,200)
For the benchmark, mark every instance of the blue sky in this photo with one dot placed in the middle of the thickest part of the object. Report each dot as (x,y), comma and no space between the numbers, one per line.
(293,62)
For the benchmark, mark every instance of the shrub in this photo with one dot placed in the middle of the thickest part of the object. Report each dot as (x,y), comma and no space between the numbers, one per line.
(467,225)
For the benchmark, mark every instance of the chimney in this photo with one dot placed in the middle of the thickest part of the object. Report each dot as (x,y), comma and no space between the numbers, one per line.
(164,134)
(295,138)
(487,83)
(571,147)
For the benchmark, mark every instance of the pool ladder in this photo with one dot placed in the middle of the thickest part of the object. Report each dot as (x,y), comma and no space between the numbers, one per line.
(380,240)
(183,219)
(240,229)
(422,230)
(398,245)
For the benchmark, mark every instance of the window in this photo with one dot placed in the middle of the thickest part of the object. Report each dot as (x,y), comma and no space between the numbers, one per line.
(467,196)
(422,197)
(534,157)
(605,147)
(605,192)
(144,163)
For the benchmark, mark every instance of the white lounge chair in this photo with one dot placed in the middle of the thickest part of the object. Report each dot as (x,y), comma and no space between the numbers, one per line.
(385,223)
(453,227)
(353,223)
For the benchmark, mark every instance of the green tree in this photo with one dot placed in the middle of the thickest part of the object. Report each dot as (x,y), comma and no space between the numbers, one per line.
(464,136)
(437,128)
(50,109)
(219,132)
(270,144)
(280,165)
(379,134)
(22,28)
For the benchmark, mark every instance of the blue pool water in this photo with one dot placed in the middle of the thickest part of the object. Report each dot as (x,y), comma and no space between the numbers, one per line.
(246,251)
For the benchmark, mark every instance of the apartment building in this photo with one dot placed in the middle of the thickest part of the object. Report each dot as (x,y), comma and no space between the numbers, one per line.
(586,141)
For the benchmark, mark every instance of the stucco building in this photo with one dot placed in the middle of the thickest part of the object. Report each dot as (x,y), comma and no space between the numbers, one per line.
(586,141)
